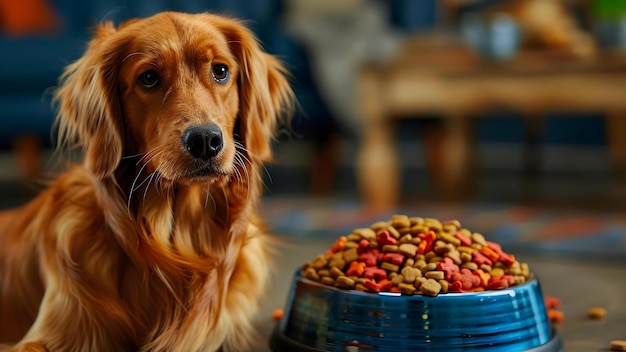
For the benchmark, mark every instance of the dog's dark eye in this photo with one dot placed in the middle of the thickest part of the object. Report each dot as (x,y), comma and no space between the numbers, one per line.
(221,74)
(149,79)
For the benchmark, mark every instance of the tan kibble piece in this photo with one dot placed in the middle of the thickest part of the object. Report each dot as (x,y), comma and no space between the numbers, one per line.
(479,238)
(416,240)
(455,223)
(450,239)
(338,263)
(350,244)
(407,289)
(345,282)
(323,272)
(398,279)
(319,262)
(409,262)
(405,239)
(428,267)
(335,272)
(393,232)
(354,237)
(390,248)
(435,274)
(410,274)
(416,220)
(470,265)
(419,264)
(327,280)
(465,257)
(455,256)
(366,233)
(451,229)
(408,249)
(428,256)
(435,259)
(400,221)
(496,272)
(311,274)
(430,287)
(596,313)
(380,225)
(440,247)
(350,255)
(618,345)
(444,286)
(361,287)
(390,267)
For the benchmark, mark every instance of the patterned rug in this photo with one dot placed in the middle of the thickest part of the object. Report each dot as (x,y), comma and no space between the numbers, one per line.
(539,229)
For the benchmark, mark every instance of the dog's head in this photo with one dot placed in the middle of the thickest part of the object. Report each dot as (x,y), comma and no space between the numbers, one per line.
(189,96)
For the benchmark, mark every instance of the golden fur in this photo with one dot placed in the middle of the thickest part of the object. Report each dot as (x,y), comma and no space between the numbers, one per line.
(134,249)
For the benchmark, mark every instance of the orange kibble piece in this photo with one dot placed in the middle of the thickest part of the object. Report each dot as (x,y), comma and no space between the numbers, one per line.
(490,253)
(277,314)
(484,277)
(356,269)
(555,316)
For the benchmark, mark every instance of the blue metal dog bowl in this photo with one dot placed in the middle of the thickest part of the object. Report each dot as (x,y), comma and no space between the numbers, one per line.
(324,318)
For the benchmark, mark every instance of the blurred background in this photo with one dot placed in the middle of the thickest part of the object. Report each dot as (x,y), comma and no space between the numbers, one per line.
(507,115)
(454,103)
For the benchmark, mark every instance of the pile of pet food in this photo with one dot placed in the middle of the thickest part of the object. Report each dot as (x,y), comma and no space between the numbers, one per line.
(413,255)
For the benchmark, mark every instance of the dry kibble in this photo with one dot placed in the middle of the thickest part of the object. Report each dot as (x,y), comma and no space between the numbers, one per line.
(596,313)
(430,287)
(345,282)
(436,274)
(390,248)
(413,255)
(327,280)
(407,289)
(408,249)
(410,274)
(618,345)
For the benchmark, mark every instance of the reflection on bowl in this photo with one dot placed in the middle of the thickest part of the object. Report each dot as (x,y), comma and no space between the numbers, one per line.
(323,318)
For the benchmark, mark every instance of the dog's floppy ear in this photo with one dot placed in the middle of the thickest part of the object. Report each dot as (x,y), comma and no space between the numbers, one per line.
(264,92)
(88,109)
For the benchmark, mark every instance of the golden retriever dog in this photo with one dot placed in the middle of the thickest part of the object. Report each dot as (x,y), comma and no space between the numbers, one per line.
(153,241)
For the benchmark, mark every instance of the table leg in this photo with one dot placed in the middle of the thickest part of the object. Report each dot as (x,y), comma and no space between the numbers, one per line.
(452,169)
(377,167)
(616,135)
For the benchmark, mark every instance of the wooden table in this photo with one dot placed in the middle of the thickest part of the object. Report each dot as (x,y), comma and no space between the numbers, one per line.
(455,84)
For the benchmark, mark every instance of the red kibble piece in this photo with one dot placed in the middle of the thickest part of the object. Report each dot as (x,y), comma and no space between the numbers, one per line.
(363,246)
(505,258)
(356,269)
(552,302)
(395,289)
(385,285)
(494,246)
(456,286)
(384,238)
(465,241)
(509,278)
(448,266)
(480,259)
(394,258)
(370,258)
(372,285)
(467,279)
(498,283)
(375,273)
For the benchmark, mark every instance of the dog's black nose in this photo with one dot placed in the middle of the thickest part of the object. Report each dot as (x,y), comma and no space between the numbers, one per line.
(203,142)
